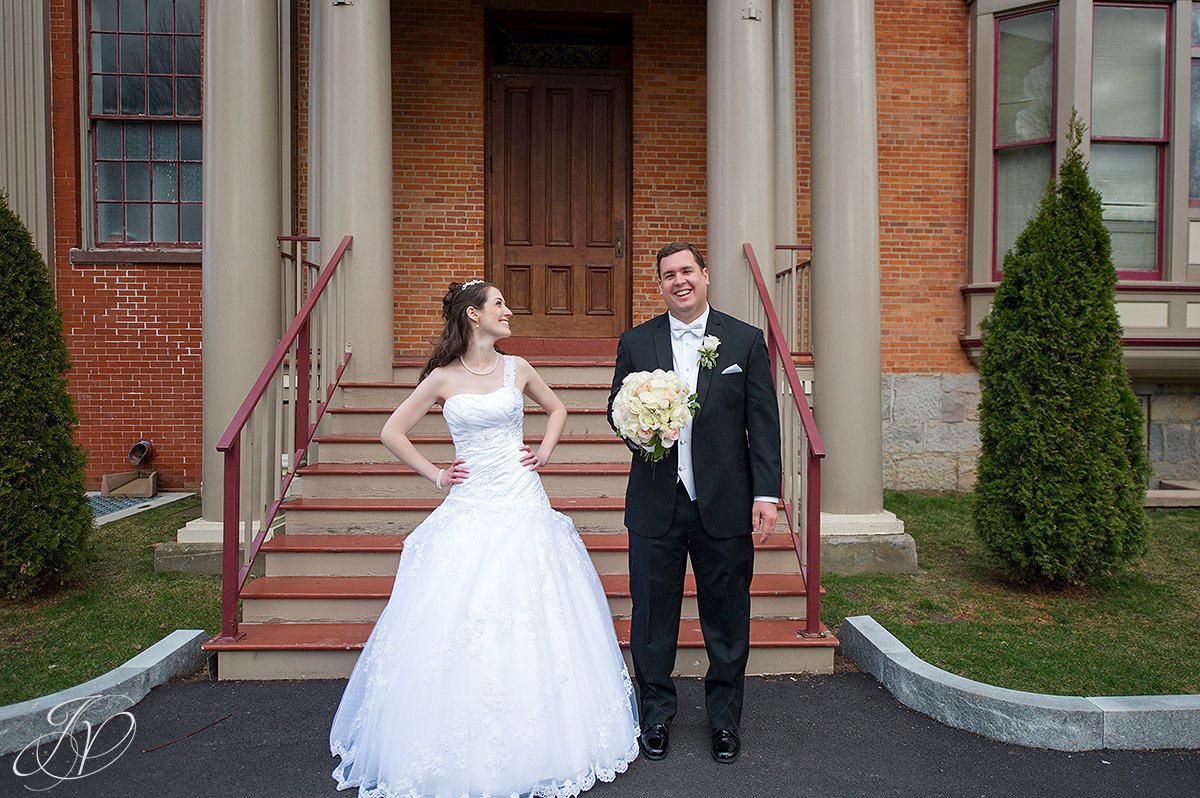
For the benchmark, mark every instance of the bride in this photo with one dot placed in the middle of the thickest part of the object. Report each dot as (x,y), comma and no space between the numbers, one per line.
(494,669)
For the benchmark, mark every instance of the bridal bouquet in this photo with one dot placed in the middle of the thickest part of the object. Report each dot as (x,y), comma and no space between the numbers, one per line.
(651,409)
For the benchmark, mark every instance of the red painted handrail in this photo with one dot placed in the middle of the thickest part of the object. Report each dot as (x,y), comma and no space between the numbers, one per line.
(778,349)
(298,333)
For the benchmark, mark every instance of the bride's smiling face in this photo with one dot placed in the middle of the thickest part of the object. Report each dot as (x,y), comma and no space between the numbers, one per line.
(493,317)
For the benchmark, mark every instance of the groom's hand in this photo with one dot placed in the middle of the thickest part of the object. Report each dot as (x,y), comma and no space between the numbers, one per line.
(762,519)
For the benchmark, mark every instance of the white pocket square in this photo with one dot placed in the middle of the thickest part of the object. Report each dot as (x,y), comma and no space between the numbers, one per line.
(734,369)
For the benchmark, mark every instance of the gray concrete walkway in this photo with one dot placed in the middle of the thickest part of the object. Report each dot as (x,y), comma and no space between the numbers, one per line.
(840,735)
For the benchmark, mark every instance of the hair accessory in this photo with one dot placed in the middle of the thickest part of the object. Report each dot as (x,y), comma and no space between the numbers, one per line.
(469,283)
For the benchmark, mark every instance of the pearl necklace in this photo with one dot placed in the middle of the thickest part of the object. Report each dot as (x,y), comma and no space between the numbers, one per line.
(495,362)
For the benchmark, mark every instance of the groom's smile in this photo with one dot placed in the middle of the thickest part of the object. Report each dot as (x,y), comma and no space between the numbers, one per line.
(684,285)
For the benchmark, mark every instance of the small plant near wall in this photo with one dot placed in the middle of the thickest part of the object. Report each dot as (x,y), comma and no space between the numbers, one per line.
(45,521)
(1063,468)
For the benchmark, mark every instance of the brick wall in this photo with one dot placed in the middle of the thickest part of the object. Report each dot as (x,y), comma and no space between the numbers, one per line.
(437,145)
(133,331)
(922,74)
(669,139)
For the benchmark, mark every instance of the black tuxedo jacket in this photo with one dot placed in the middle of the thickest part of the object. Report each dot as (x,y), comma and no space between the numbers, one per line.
(735,434)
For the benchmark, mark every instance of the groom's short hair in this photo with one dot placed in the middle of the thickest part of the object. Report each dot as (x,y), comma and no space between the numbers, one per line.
(678,246)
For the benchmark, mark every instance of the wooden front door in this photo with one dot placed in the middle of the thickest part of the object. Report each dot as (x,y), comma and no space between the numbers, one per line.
(558,202)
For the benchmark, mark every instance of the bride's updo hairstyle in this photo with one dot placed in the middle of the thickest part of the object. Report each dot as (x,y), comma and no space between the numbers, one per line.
(456,332)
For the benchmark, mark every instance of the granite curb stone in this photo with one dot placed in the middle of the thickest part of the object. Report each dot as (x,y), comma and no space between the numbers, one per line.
(177,654)
(1063,723)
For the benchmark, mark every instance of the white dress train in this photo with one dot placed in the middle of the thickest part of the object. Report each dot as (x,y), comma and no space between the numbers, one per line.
(494,669)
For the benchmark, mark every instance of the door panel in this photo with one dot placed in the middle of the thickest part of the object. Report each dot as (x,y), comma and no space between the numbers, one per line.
(558,201)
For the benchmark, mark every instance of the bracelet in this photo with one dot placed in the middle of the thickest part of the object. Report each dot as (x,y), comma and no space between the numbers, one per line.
(438,481)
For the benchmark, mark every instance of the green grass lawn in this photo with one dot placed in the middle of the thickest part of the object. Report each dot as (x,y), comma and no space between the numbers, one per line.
(115,607)
(1133,633)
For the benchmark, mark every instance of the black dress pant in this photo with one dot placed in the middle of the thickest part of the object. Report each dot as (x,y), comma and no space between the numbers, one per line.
(723,568)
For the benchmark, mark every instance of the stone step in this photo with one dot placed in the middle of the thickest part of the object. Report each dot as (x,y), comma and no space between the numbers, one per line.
(370,420)
(329,650)
(1164,499)
(392,516)
(605,447)
(364,480)
(391,394)
(319,554)
(353,599)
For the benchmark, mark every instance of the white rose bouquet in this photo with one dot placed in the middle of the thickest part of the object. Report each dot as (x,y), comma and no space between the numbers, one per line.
(651,409)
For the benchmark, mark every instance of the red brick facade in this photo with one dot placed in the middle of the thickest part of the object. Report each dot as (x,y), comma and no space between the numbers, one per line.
(134,330)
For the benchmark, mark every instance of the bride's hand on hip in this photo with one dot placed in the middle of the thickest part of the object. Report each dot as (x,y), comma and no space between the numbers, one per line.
(454,474)
(531,459)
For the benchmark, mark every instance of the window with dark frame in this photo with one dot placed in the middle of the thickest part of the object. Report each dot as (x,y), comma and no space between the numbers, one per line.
(1130,130)
(1023,122)
(144,116)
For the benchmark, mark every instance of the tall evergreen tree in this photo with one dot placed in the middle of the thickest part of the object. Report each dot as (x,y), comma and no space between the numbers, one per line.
(1062,473)
(45,521)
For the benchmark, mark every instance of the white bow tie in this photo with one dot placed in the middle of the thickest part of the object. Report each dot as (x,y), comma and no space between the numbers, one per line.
(679,330)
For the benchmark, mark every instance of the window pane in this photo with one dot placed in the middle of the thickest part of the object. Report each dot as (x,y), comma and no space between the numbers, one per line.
(165,183)
(160,16)
(189,182)
(1129,71)
(133,15)
(189,142)
(137,223)
(104,14)
(187,99)
(137,181)
(133,54)
(1126,175)
(187,16)
(166,223)
(160,55)
(104,94)
(1025,83)
(104,52)
(109,226)
(160,96)
(1194,160)
(189,222)
(1021,179)
(108,140)
(1195,27)
(137,141)
(108,180)
(133,95)
(166,146)
(187,50)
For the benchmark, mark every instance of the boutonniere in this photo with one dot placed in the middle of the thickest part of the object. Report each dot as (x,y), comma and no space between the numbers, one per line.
(708,351)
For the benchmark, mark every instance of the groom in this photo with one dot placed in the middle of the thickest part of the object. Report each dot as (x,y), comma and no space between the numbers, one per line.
(715,488)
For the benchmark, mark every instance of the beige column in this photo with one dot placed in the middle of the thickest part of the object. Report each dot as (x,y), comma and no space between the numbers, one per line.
(242,211)
(741,149)
(356,172)
(846,294)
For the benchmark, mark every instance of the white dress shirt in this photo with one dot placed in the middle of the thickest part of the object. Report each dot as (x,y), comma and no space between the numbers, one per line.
(685,353)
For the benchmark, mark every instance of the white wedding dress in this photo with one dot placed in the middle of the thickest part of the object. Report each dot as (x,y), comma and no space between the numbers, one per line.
(494,669)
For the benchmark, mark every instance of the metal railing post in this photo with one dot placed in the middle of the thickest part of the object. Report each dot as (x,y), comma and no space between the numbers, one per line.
(231,542)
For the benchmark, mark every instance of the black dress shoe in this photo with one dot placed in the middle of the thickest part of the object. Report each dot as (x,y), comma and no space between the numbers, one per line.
(655,741)
(725,746)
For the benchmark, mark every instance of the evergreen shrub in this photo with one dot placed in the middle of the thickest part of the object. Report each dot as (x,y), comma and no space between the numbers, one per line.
(1062,474)
(45,520)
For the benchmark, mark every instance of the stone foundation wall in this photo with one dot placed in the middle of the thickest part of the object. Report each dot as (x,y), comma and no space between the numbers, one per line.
(1173,429)
(931,431)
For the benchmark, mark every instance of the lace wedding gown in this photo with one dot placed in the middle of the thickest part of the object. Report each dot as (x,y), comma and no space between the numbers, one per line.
(494,669)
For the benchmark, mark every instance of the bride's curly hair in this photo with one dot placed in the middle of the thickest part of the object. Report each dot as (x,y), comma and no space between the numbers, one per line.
(456,332)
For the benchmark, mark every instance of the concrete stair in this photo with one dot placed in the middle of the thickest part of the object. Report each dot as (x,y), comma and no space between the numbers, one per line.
(1177,493)
(330,574)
